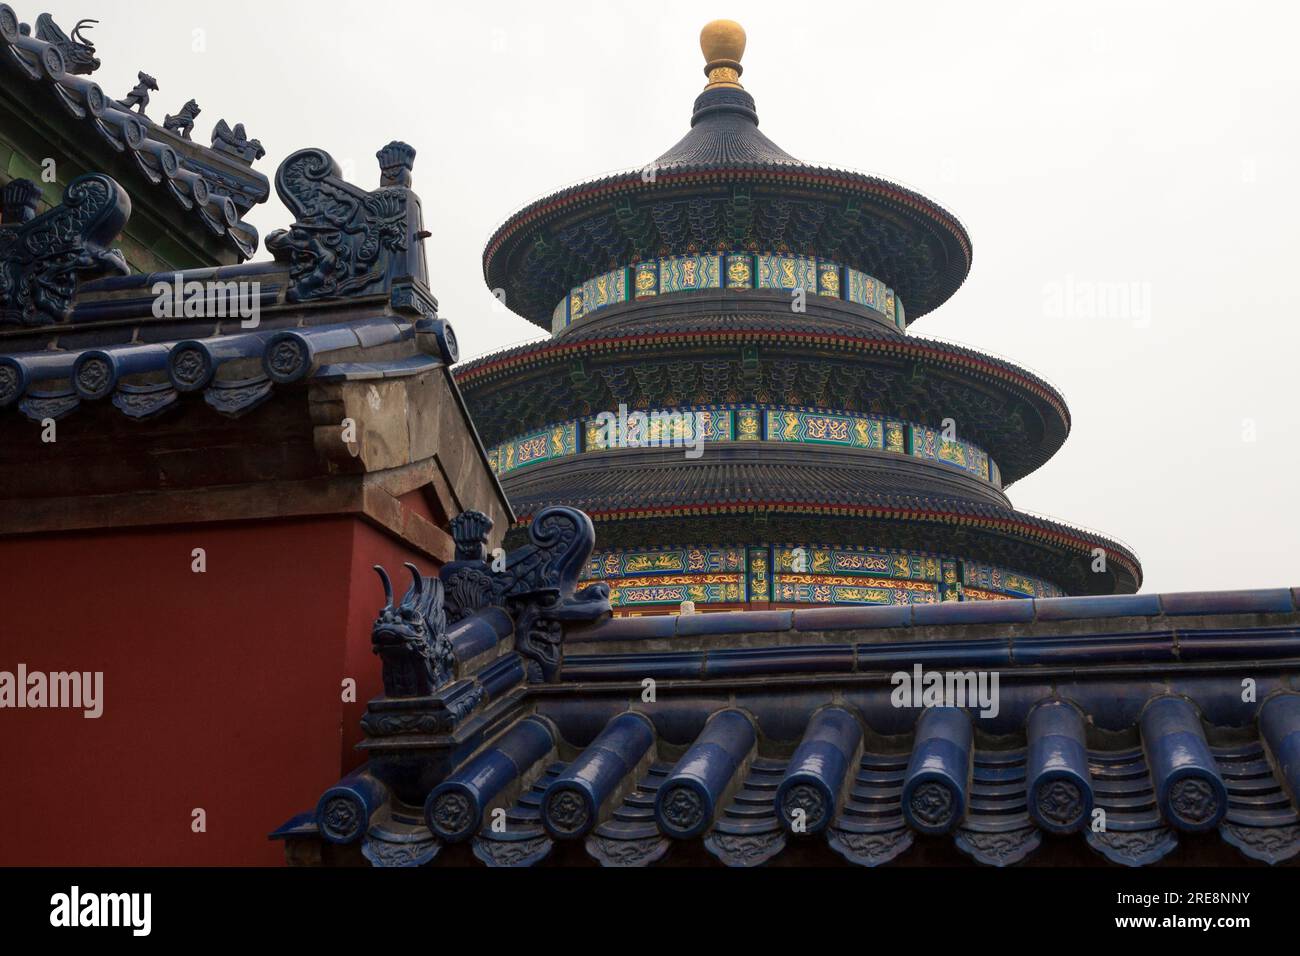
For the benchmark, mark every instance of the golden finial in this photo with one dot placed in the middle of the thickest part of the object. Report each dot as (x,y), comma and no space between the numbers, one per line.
(723,43)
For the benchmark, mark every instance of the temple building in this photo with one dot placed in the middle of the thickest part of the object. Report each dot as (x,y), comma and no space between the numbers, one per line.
(344,606)
(733,393)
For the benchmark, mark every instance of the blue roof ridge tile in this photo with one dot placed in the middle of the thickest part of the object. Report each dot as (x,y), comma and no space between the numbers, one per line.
(1025,611)
(1252,601)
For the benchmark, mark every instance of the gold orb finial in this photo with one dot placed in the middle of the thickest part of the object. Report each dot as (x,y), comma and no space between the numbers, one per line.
(723,44)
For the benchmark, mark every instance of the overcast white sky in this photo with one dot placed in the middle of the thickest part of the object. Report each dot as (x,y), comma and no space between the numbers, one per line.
(1085,146)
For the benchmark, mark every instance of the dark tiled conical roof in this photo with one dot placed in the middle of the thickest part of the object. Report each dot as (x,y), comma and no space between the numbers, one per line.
(724,131)
(735,189)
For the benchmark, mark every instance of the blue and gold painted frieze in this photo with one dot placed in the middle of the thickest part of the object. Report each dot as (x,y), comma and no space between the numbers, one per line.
(605,290)
(801,574)
(696,426)
(977,577)
(669,576)
(827,589)
(689,273)
(820,428)
(895,437)
(733,270)
(930,444)
(558,441)
(657,427)
(645,279)
(669,590)
(871,562)
(759,574)
(871,292)
(740,271)
(951,580)
(665,561)
(787,272)
(829,281)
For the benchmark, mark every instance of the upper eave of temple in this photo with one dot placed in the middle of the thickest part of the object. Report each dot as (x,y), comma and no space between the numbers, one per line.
(726,186)
(213,187)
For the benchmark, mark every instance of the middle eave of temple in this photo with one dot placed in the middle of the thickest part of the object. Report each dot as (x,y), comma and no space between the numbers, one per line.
(725,186)
(1019,418)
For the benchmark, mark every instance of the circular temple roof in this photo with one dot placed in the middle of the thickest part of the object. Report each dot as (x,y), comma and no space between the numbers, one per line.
(725,185)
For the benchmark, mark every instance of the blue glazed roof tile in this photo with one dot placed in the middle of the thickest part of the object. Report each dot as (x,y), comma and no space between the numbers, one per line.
(659,626)
(973,612)
(852,618)
(1269,601)
(1239,644)
(1146,646)
(904,655)
(788,721)
(1084,608)
(734,622)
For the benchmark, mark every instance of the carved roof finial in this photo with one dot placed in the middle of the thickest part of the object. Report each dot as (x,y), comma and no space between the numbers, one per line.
(723,44)
(139,95)
(470,530)
(21,197)
(182,123)
(236,142)
(396,160)
(43,258)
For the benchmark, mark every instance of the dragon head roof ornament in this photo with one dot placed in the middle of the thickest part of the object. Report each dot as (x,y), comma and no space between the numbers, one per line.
(535,585)
(411,637)
(78,52)
(345,240)
(42,257)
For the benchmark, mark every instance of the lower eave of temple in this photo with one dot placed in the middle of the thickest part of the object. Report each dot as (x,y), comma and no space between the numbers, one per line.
(956,528)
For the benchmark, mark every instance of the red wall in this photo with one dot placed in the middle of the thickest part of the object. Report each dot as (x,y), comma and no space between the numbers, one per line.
(221,690)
